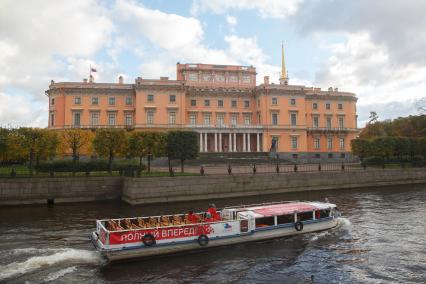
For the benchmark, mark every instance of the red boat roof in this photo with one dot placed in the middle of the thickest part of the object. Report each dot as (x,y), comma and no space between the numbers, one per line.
(283,209)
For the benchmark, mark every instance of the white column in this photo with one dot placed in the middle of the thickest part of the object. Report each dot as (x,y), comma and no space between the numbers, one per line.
(215,142)
(244,143)
(201,142)
(205,142)
(258,142)
(220,142)
(230,147)
(248,143)
(235,142)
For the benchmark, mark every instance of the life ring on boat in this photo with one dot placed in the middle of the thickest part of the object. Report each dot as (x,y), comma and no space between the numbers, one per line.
(203,240)
(298,226)
(148,240)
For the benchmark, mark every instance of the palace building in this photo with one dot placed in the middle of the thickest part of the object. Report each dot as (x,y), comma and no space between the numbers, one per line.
(223,104)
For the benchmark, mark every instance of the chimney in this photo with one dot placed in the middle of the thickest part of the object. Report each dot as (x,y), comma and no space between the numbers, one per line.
(330,89)
(85,80)
(266,80)
(336,89)
(120,80)
(91,79)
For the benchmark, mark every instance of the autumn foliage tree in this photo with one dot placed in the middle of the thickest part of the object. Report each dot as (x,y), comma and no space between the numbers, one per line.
(110,143)
(145,144)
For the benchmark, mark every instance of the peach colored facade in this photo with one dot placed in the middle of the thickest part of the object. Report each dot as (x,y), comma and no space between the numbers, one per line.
(220,102)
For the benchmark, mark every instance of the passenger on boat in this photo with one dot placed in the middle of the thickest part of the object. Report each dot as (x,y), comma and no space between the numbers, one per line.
(177,220)
(111,226)
(164,221)
(191,217)
(317,215)
(208,217)
(128,224)
(141,223)
(153,222)
(213,212)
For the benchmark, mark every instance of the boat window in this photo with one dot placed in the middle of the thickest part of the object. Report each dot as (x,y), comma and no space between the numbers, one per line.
(324,213)
(285,219)
(265,222)
(304,216)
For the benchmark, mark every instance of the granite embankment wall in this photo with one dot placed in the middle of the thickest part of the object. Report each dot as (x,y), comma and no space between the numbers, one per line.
(171,189)
(140,191)
(66,189)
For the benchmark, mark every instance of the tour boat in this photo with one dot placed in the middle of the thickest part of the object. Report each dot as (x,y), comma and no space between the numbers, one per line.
(126,238)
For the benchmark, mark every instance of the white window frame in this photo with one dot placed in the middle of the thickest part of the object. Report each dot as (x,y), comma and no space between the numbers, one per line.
(112,118)
(94,118)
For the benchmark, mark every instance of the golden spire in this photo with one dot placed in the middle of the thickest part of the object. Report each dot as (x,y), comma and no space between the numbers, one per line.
(284,74)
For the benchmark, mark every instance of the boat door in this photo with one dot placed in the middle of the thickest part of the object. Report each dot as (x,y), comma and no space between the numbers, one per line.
(247,222)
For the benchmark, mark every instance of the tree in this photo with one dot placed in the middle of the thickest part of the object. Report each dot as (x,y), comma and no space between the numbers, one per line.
(30,141)
(4,135)
(110,143)
(182,145)
(373,117)
(46,146)
(75,140)
(361,148)
(143,144)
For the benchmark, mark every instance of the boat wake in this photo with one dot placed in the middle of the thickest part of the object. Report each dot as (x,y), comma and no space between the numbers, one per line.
(69,255)
(344,225)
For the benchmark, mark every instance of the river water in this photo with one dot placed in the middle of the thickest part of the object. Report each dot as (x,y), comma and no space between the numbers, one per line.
(382,240)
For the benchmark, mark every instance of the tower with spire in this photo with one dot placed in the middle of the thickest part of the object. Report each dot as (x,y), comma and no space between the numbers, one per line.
(284,74)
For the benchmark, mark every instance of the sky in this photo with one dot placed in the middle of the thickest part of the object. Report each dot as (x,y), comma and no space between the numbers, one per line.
(376,49)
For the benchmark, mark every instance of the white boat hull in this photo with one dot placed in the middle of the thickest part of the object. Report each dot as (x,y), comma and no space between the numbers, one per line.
(193,245)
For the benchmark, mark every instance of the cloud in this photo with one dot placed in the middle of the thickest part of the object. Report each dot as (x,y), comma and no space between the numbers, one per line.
(397,25)
(16,111)
(361,66)
(231,20)
(266,8)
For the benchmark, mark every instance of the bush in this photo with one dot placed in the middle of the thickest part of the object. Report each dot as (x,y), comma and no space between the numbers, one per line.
(87,166)
(373,161)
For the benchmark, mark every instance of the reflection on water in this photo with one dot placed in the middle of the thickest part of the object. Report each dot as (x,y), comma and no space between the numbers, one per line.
(381,240)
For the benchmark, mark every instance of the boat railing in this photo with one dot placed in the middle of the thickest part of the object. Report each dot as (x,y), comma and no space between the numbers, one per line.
(171,226)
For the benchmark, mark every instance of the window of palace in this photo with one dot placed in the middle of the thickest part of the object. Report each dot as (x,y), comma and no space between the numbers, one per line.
(52,119)
(219,78)
(294,142)
(150,117)
(172,117)
(317,155)
(193,76)
(234,103)
(327,106)
(112,117)
(329,142)
(206,103)
(129,101)
(77,100)
(150,98)
(342,143)
(341,122)
(95,100)
(220,119)
(52,101)
(233,79)
(220,103)
(316,143)
(293,102)
(192,119)
(274,101)
(315,122)
(193,102)
(111,101)
(314,106)
(328,122)
(172,98)
(129,119)
(340,106)
(247,119)
(274,118)
(342,155)
(275,142)
(76,118)
(207,119)
(246,104)
(246,78)
(294,156)
(234,119)
(207,77)
(293,118)
(330,155)
(94,118)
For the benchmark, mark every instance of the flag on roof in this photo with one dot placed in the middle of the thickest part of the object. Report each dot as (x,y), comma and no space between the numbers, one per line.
(93,69)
